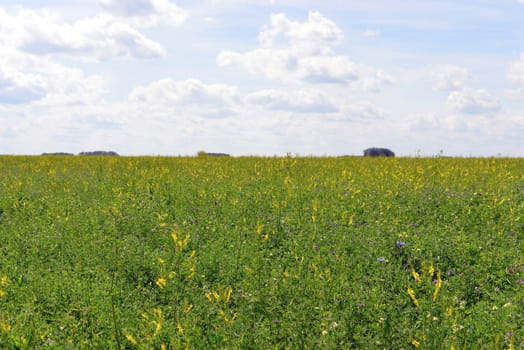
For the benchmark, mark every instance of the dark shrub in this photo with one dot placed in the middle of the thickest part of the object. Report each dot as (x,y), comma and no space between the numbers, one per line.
(378,152)
(98,153)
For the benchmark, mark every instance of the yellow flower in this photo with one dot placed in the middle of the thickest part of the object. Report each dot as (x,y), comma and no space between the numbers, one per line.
(431,270)
(415,343)
(415,274)
(161,282)
(130,338)
(413,297)
(227,294)
(437,286)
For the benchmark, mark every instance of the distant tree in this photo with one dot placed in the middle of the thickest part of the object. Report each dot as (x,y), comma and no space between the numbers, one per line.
(378,152)
(98,153)
(211,154)
(58,154)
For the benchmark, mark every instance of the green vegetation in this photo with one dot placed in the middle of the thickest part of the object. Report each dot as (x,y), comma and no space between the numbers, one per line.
(261,253)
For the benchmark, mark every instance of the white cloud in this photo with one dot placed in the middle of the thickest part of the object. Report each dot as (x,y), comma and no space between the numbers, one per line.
(516,70)
(302,52)
(315,36)
(27,78)
(448,77)
(146,12)
(207,100)
(473,101)
(514,93)
(299,101)
(362,111)
(370,33)
(96,38)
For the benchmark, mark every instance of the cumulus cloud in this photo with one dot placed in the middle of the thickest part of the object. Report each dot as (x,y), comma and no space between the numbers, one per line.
(208,100)
(146,12)
(473,101)
(27,78)
(299,101)
(363,111)
(315,36)
(96,38)
(303,52)
(516,70)
(448,77)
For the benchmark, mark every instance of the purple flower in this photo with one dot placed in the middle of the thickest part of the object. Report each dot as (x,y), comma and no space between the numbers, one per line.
(401,244)
(450,272)
(510,269)
(317,248)
(381,259)
(276,321)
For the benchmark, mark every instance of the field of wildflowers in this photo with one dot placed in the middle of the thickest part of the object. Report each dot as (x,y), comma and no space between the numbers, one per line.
(261,253)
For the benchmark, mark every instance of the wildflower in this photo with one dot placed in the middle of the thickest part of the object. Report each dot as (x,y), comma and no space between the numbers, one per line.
(438,284)
(381,259)
(415,343)
(450,272)
(227,294)
(415,274)
(510,269)
(413,297)
(431,270)
(317,248)
(130,338)
(276,321)
(401,244)
(161,282)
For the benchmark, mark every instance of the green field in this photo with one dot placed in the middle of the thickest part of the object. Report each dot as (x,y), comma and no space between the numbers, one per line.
(261,253)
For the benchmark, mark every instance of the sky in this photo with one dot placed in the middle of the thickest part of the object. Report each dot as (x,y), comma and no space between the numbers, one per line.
(262,77)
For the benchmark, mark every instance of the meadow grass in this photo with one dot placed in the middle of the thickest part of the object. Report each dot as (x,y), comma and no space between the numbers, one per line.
(261,253)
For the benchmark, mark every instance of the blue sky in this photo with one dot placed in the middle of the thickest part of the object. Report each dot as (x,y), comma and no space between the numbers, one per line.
(262,77)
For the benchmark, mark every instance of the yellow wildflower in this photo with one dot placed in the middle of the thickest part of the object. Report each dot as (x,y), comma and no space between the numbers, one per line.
(228,294)
(415,343)
(431,270)
(415,274)
(161,282)
(413,297)
(130,338)
(180,328)
(437,286)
